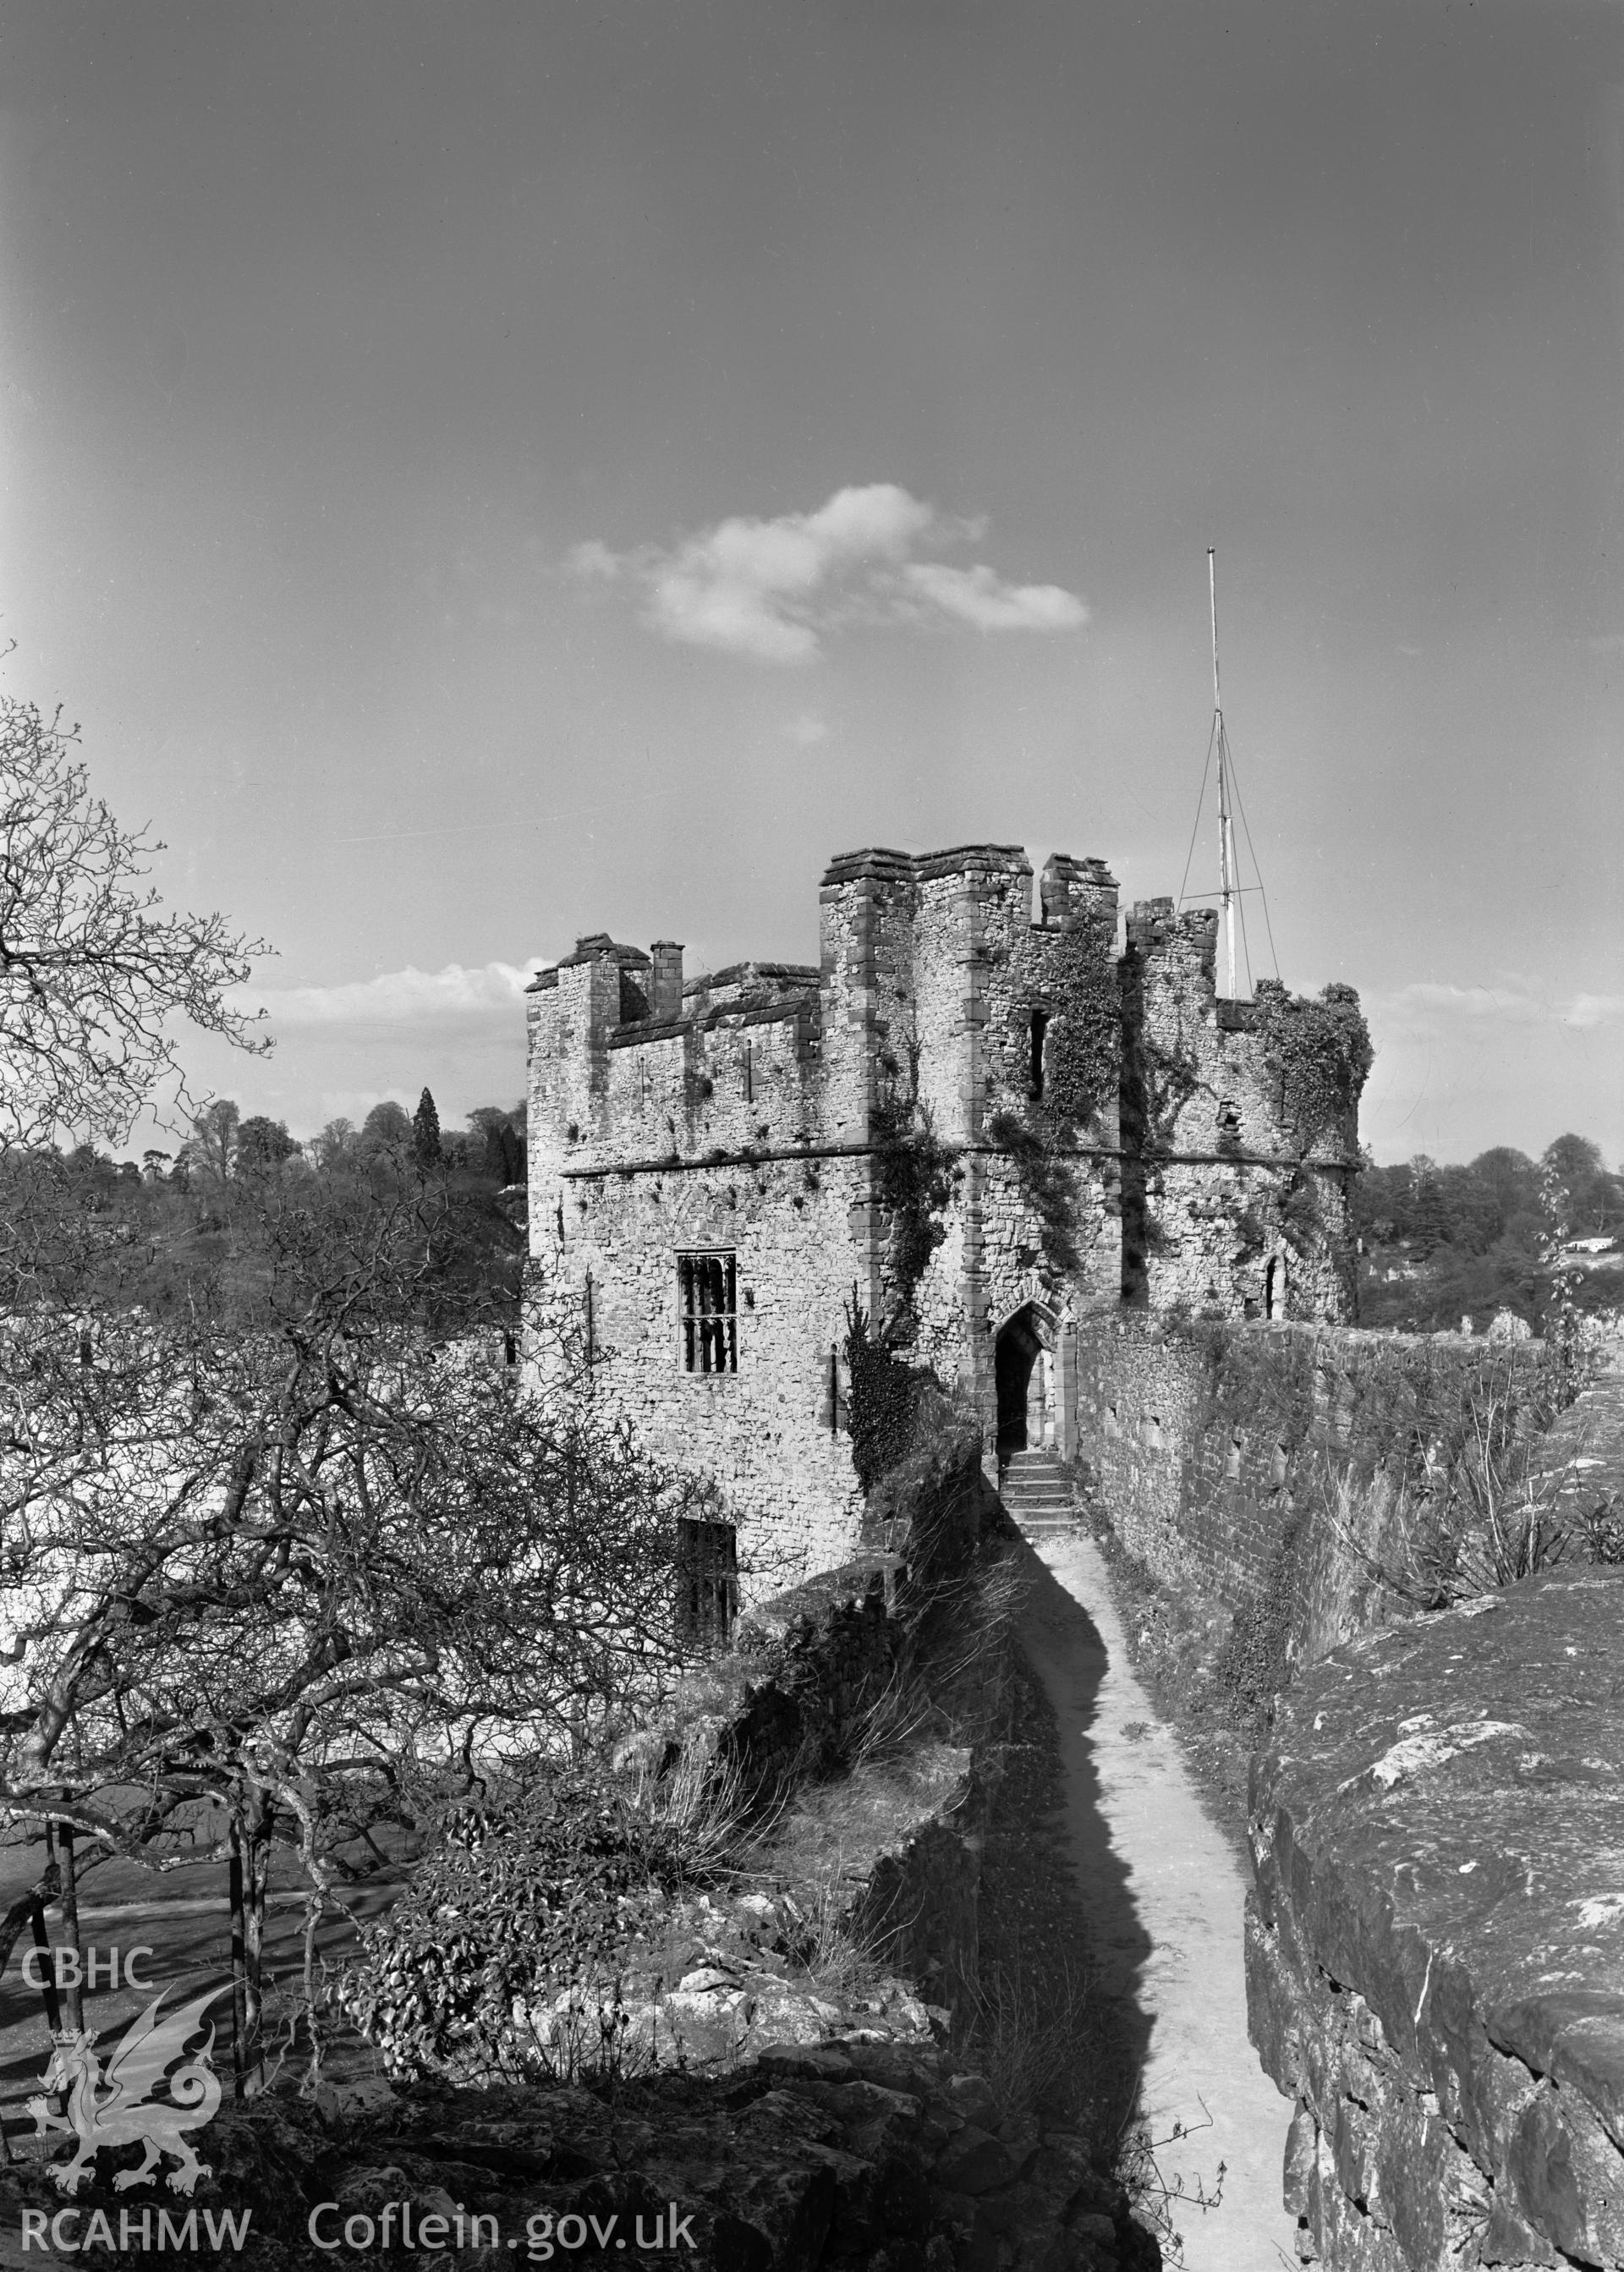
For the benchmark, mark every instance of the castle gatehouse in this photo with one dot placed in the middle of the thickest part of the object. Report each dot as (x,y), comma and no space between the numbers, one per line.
(976,1127)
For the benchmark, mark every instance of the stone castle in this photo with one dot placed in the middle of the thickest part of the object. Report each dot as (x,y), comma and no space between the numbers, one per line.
(985,1129)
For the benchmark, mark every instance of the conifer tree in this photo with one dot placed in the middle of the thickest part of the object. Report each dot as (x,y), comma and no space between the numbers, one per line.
(426,1132)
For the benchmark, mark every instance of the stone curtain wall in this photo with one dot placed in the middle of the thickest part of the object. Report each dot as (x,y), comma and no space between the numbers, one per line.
(1218,1447)
(817,1659)
(1435,1950)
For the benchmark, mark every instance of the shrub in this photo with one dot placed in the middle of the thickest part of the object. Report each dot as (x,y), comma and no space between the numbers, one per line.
(1489,1507)
(527,1893)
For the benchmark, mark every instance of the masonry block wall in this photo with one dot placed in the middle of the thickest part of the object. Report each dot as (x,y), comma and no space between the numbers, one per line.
(741,1116)
(695,1137)
(1219,1448)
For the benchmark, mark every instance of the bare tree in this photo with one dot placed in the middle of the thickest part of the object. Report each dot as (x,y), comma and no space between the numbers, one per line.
(301,1566)
(93,968)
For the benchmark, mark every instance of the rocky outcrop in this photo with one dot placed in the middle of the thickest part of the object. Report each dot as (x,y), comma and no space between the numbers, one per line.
(1435,1959)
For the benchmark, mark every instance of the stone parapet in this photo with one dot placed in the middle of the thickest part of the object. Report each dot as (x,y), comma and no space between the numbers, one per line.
(1435,1959)
(921,867)
(1219,1450)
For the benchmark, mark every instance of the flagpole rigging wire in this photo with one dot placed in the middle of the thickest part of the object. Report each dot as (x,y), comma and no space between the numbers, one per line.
(1231,805)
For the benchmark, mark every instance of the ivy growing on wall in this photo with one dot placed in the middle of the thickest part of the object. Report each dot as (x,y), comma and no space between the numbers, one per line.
(1318,1051)
(1171,1079)
(1047,1185)
(913,1182)
(545,1882)
(884,1399)
(1082,1045)
(1391,1393)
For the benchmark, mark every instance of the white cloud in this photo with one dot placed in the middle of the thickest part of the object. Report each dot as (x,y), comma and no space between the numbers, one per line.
(979,597)
(592,559)
(1594,1010)
(400,997)
(772,589)
(1427,1003)
(1428,1006)
(807,731)
(748,586)
(706,609)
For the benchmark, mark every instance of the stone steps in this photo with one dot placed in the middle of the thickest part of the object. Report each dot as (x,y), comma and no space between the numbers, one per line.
(1036,1492)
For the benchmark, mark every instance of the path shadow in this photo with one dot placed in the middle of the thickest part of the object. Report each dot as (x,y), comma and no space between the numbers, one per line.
(1057,1899)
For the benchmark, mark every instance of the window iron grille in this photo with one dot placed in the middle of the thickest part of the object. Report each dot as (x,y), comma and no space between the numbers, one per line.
(707,1584)
(707,1311)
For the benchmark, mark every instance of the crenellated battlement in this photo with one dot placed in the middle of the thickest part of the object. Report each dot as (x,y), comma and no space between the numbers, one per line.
(1158,934)
(1071,891)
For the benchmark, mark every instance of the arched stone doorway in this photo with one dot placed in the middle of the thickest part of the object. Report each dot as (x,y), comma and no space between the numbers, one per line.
(1024,1371)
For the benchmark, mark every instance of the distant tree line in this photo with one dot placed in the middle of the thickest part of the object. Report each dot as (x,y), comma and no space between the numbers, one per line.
(189,1226)
(221,1143)
(1440,1243)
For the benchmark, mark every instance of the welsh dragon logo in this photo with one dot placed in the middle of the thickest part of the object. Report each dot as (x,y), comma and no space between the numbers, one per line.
(112,2108)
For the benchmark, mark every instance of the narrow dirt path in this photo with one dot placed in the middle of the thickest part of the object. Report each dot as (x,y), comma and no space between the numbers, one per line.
(1173,1950)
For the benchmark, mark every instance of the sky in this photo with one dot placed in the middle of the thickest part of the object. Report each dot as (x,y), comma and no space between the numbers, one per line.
(479,474)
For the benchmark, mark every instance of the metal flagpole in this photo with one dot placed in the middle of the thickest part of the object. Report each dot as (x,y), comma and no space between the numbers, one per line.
(1226,860)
